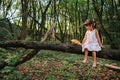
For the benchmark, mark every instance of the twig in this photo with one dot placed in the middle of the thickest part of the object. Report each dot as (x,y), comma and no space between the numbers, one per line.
(110,66)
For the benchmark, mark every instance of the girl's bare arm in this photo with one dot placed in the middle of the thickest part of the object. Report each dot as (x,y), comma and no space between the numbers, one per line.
(84,39)
(98,38)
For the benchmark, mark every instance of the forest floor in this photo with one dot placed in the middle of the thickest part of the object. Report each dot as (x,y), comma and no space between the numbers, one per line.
(52,65)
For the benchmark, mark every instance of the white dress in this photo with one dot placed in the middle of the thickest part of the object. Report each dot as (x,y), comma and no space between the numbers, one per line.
(91,42)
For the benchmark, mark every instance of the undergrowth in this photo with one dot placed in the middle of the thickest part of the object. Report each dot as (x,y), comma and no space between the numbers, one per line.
(53,65)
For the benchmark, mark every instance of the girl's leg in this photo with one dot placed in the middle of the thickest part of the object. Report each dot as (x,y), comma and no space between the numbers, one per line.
(85,55)
(94,59)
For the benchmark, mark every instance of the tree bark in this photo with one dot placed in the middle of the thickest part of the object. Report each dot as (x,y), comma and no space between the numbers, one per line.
(24,19)
(43,20)
(105,53)
(26,56)
(49,33)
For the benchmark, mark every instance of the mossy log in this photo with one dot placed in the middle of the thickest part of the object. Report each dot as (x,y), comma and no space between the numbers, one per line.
(105,53)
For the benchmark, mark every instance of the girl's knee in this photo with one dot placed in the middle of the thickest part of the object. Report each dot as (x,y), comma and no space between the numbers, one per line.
(93,51)
(85,50)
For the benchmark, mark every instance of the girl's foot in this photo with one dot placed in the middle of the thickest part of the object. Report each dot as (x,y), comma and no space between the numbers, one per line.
(94,64)
(84,61)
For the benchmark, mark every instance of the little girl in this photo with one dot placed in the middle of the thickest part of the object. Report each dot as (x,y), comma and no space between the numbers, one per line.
(91,41)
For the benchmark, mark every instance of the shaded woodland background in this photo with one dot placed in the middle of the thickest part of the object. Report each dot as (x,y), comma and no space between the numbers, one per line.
(30,19)
(24,23)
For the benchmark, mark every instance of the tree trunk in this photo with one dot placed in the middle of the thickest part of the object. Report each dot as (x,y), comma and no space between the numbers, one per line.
(43,20)
(26,56)
(105,53)
(24,19)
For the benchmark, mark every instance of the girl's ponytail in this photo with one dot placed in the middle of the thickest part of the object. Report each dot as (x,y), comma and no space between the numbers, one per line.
(90,22)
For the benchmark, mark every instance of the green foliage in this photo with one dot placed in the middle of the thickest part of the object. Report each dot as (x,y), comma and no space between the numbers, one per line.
(13,75)
(50,77)
(9,57)
(9,72)
(27,78)
(7,69)
(8,31)
(66,75)
(12,60)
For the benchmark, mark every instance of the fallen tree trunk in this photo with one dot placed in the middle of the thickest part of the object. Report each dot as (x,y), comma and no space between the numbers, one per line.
(105,53)
(28,54)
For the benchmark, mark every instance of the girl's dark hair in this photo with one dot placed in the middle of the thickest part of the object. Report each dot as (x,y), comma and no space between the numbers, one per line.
(89,22)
